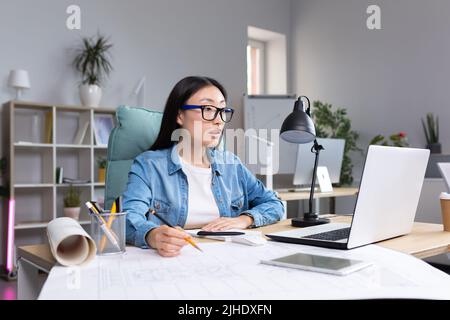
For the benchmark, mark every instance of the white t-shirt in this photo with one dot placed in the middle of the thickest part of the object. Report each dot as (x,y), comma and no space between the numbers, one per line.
(202,207)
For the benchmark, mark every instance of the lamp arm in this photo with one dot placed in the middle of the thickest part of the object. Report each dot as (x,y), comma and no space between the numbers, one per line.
(308,109)
(315,149)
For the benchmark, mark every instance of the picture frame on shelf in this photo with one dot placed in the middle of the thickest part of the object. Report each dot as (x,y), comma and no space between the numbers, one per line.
(103,125)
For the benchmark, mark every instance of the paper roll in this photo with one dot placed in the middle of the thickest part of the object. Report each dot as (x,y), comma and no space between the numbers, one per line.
(70,244)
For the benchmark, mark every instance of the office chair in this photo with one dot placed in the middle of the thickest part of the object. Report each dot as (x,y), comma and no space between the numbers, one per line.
(135,132)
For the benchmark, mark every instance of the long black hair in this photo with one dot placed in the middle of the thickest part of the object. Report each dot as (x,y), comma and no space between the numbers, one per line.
(181,93)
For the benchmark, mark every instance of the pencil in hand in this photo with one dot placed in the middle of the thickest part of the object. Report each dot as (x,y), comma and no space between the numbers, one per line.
(188,239)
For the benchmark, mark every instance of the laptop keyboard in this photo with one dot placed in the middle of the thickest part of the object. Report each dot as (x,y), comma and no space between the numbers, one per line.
(333,235)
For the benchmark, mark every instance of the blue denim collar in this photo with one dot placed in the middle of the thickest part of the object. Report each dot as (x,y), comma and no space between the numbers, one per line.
(173,160)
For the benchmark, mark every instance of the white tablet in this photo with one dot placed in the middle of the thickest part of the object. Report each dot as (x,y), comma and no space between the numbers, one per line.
(311,262)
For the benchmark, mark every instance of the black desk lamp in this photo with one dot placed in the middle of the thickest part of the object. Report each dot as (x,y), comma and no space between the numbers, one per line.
(299,128)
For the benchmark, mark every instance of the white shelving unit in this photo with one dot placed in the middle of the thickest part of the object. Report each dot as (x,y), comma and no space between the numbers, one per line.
(38,138)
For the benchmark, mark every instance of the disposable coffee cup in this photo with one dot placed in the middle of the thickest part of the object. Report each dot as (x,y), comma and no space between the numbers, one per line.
(445,210)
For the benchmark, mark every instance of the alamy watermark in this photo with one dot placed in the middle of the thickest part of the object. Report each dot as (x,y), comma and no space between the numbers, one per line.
(373,21)
(73,21)
(253,147)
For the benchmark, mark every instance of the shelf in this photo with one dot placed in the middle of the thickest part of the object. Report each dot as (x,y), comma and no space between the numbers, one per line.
(30,225)
(41,225)
(99,184)
(33,185)
(39,138)
(74,146)
(32,145)
(65,185)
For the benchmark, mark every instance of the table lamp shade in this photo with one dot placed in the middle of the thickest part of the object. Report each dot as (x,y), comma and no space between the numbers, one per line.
(298,127)
(19,79)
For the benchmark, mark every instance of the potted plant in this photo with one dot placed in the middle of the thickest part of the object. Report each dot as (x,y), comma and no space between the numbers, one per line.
(431,130)
(398,140)
(101,163)
(72,203)
(93,62)
(336,124)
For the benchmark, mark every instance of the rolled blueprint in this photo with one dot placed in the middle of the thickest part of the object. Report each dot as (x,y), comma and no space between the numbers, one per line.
(70,244)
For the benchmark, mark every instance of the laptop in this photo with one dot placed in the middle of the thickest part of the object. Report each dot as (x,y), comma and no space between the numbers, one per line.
(385,207)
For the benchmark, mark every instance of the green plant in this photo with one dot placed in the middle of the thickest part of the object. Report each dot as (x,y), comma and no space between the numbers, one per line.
(398,140)
(72,198)
(92,60)
(102,162)
(336,124)
(431,128)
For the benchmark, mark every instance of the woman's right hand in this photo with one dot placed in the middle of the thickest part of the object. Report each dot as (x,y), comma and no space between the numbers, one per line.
(168,241)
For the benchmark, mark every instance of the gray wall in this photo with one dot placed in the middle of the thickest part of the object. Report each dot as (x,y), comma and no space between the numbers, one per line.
(165,40)
(387,79)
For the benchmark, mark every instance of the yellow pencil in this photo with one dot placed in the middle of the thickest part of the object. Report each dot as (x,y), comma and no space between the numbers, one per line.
(108,224)
(187,239)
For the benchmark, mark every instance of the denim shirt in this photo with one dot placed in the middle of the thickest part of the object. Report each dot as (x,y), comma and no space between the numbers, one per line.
(157,181)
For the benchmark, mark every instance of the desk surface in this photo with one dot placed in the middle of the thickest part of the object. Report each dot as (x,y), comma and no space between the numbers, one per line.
(304,195)
(425,240)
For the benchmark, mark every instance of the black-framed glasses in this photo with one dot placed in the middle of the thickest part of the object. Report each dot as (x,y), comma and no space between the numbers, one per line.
(209,112)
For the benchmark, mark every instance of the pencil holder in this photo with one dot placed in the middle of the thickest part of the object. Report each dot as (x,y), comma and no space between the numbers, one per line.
(108,232)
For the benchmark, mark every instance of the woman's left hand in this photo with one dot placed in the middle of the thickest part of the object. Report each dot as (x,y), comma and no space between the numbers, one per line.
(223,224)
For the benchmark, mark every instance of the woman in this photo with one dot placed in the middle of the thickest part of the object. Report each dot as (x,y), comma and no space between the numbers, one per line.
(188,181)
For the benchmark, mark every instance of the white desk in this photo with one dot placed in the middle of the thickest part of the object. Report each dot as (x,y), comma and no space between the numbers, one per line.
(425,240)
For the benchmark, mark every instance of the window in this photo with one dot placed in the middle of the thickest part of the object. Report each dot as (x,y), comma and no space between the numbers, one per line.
(255,67)
(266,62)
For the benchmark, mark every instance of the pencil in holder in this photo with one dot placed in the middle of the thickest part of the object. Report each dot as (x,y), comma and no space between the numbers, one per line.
(109,232)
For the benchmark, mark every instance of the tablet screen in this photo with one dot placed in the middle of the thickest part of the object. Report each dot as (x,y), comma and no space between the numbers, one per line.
(318,263)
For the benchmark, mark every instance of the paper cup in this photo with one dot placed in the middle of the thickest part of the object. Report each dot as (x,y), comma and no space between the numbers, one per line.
(445,210)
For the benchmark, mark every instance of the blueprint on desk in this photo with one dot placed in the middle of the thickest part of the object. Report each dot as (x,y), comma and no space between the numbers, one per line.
(232,271)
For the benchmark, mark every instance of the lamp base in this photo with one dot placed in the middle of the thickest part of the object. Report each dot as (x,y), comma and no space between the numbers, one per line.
(308,220)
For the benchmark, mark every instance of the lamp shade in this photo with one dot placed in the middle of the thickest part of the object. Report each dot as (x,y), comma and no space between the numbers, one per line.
(19,79)
(298,127)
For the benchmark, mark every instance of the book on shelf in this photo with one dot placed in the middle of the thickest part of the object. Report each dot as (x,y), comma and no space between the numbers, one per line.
(59,175)
(75,181)
(48,127)
(83,125)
